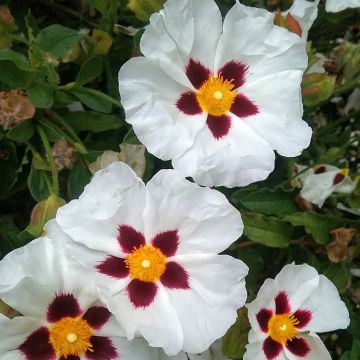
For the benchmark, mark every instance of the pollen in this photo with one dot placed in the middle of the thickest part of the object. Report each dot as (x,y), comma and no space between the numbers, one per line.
(216,95)
(70,337)
(282,328)
(146,263)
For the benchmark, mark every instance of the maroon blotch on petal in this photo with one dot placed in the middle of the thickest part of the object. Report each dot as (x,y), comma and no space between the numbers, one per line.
(114,267)
(282,303)
(37,346)
(197,73)
(321,169)
(243,107)
(63,305)
(234,71)
(339,177)
(97,316)
(263,317)
(141,293)
(70,357)
(167,242)
(129,238)
(188,104)
(219,125)
(102,349)
(272,348)
(175,276)
(303,317)
(298,346)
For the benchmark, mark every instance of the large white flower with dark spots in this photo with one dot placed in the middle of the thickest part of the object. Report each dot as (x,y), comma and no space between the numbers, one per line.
(217,98)
(154,251)
(339,5)
(62,316)
(288,312)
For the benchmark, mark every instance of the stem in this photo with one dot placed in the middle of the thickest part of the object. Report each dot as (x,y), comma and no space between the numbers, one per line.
(49,155)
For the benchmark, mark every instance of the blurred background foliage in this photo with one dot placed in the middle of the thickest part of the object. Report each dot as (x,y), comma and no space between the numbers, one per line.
(61,119)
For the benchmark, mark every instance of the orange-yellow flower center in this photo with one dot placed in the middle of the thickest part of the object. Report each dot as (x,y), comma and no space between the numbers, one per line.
(216,95)
(70,336)
(147,263)
(282,328)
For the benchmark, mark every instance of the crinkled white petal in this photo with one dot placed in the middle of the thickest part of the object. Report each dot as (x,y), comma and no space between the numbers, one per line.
(205,220)
(280,110)
(339,5)
(149,97)
(114,196)
(263,46)
(158,323)
(254,351)
(240,158)
(213,353)
(298,281)
(183,29)
(318,350)
(305,12)
(208,308)
(329,312)
(33,274)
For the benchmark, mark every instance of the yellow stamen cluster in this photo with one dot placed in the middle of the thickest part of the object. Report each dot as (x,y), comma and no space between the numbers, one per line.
(147,263)
(216,95)
(70,336)
(282,328)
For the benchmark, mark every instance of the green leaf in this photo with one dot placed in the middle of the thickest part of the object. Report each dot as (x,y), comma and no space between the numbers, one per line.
(317,225)
(277,202)
(91,100)
(90,70)
(41,95)
(354,354)
(78,178)
(57,39)
(18,59)
(51,130)
(92,121)
(37,184)
(8,235)
(9,165)
(340,275)
(267,230)
(21,132)
(144,8)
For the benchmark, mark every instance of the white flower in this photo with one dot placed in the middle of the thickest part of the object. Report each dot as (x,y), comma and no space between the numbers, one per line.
(320,182)
(63,318)
(217,98)
(154,250)
(339,5)
(213,353)
(287,313)
(305,13)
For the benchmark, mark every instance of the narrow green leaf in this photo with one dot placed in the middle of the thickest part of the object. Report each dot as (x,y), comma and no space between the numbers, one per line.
(41,95)
(78,178)
(21,132)
(91,100)
(37,184)
(90,70)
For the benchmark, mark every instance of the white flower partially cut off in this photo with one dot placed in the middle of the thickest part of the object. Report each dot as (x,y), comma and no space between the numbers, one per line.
(339,5)
(217,98)
(320,182)
(154,252)
(63,318)
(288,312)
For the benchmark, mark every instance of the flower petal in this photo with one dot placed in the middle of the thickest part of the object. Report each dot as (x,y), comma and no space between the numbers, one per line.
(69,357)
(97,316)
(63,305)
(204,219)
(234,71)
(188,104)
(197,73)
(336,5)
(298,346)
(114,267)
(129,239)
(328,311)
(167,242)
(238,159)
(303,317)
(102,348)
(263,317)
(37,346)
(254,351)
(282,303)
(94,218)
(272,348)
(243,106)
(175,276)
(219,125)
(141,293)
